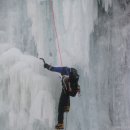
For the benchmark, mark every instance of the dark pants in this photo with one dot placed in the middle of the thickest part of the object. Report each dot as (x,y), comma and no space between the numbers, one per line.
(63,104)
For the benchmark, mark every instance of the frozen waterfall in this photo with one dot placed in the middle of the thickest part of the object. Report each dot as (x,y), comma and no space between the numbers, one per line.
(93,36)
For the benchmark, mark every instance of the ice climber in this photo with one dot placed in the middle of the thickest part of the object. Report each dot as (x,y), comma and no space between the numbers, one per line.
(70,87)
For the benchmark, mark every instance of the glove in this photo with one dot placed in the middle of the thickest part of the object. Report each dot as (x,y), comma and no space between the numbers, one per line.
(42,60)
(45,64)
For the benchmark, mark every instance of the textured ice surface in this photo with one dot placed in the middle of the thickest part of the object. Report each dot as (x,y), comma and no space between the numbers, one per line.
(94,37)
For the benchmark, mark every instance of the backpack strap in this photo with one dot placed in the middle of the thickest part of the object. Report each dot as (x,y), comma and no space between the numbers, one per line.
(64,82)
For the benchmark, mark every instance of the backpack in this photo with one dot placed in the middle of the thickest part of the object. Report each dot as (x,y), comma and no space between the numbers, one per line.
(71,82)
(73,75)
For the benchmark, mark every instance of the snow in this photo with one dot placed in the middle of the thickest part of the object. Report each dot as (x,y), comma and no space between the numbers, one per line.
(93,39)
(27,97)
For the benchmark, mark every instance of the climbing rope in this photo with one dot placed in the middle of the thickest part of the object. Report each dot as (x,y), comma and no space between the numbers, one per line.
(58,45)
(57,39)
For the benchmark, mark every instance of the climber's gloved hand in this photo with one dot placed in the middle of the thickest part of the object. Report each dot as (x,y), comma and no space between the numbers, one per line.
(45,64)
(42,60)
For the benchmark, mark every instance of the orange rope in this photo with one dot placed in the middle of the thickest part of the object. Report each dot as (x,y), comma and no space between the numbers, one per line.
(58,45)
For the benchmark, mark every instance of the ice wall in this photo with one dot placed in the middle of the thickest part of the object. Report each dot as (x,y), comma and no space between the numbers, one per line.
(109,67)
(93,37)
(26,102)
(24,86)
(105,4)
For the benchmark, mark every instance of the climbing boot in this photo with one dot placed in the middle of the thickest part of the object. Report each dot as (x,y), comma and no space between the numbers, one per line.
(59,126)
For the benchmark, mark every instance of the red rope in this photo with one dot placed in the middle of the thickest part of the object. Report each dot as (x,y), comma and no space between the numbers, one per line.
(58,45)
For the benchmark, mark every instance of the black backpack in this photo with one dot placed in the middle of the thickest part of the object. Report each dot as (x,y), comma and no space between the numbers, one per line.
(74,76)
(73,79)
